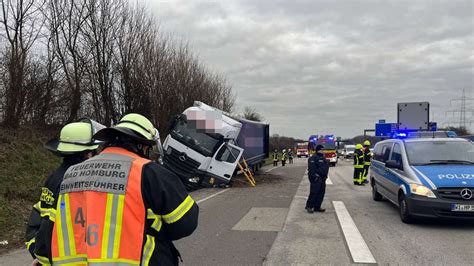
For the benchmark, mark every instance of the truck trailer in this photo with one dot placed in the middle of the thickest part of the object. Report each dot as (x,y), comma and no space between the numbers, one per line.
(209,158)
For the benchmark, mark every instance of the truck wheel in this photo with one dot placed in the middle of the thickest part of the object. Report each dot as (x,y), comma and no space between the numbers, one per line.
(405,214)
(375,193)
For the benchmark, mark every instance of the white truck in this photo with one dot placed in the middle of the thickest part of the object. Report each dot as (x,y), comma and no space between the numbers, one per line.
(209,158)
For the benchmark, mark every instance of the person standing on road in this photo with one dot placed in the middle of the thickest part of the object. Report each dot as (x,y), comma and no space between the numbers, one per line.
(358,164)
(275,157)
(119,208)
(283,157)
(75,145)
(318,168)
(367,160)
(290,156)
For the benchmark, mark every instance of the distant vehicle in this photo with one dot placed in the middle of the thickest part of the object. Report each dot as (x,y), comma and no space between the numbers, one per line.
(302,149)
(206,159)
(349,151)
(425,177)
(330,148)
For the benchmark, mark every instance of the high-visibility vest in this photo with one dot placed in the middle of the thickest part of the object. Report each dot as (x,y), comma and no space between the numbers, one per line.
(359,160)
(100,216)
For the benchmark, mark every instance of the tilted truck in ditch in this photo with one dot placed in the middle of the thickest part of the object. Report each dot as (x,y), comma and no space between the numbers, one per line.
(206,144)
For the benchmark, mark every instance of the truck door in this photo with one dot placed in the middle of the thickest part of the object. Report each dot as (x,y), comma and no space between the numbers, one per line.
(225,160)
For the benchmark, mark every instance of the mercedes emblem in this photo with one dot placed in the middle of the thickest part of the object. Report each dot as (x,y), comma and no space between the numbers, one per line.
(182,157)
(466,194)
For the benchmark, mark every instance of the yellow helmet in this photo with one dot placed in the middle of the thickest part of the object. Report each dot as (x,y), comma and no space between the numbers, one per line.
(359,146)
(367,143)
(75,137)
(135,126)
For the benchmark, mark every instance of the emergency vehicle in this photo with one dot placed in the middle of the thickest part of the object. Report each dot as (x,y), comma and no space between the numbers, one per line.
(329,143)
(302,149)
(426,174)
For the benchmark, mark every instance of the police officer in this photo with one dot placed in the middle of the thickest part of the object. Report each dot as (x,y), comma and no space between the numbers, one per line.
(358,164)
(367,160)
(275,157)
(318,168)
(75,144)
(119,208)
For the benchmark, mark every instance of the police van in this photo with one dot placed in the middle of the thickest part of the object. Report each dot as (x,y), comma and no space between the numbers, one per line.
(425,175)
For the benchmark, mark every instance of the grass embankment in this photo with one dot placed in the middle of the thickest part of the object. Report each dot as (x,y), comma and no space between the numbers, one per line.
(24,165)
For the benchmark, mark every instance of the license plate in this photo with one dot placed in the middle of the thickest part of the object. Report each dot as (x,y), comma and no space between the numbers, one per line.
(462,208)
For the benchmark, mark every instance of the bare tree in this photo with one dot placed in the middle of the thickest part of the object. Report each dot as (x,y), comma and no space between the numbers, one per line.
(66,18)
(22,26)
(250,113)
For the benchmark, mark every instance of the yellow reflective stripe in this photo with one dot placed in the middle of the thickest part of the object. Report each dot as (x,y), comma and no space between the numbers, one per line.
(148,249)
(156,220)
(72,241)
(50,212)
(118,227)
(358,166)
(28,244)
(127,261)
(80,259)
(179,212)
(106,231)
(59,231)
(42,260)
(38,206)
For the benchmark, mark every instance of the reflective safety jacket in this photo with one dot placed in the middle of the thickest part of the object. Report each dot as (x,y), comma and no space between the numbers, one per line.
(47,204)
(367,156)
(118,209)
(358,159)
(275,156)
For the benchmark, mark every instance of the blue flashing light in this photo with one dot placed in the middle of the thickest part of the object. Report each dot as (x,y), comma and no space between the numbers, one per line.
(399,135)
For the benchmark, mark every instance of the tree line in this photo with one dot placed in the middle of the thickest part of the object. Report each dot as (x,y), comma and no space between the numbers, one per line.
(61,60)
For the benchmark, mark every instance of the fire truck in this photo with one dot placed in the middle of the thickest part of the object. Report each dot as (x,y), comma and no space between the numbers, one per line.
(329,143)
(302,149)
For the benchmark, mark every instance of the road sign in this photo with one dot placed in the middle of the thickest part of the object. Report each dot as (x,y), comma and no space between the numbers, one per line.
(385,129)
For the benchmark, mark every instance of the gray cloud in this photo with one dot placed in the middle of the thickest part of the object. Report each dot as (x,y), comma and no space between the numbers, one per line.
(330,66)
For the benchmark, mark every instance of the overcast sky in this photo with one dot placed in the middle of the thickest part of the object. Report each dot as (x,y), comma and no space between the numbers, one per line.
(331,67)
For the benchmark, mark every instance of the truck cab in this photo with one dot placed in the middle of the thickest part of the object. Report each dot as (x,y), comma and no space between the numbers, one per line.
(199,157)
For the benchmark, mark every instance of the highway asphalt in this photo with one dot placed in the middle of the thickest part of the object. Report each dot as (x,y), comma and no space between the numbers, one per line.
(268,225)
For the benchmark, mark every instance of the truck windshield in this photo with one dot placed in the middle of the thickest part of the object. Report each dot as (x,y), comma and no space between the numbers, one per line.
(329,145)
(206,144)
(440,152)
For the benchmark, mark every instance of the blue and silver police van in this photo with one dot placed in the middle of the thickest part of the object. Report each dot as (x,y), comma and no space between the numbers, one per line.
(425,175)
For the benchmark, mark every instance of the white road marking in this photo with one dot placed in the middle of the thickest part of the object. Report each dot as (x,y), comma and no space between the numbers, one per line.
(301,197)
(212,196)
(360,252)
(328,181)
(271,169)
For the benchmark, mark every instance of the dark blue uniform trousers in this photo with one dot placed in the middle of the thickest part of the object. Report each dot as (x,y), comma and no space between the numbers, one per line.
(316,193)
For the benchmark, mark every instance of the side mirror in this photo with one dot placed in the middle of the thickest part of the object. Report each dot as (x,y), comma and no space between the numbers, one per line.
(393,164)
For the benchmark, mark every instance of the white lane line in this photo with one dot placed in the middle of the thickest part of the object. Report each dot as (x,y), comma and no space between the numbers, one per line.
(328,181)
(271,169)
(360,252)
(212,196)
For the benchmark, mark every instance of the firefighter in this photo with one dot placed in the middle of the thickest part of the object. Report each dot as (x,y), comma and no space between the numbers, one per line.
(275,157)
(358,164)
(119,208)
(367,160)
(75,144)
(290,156)
(318,168)
(283,157)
